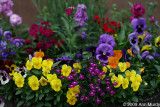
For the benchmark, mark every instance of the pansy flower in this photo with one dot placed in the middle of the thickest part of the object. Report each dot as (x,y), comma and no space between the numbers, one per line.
(147,39)
(92,49)
(133,38)
(22,70)
(11,68)
(7,34)
(4,77)
(157,41)
(139,25)
(135,49)
(18,42)
(105,38)
(140,39)
(103,52)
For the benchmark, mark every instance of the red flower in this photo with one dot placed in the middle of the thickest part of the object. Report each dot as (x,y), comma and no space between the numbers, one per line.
(41,45)
(45,23)
(27,42)
(42,30)
(113,23)
(49,32)
(97,19)
(69,11)
(29,50)
(33,29)
(119,26)
(36,37)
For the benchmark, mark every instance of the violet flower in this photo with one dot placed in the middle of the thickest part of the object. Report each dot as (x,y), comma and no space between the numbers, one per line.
(135,49)
(18,42)
(103,52)
(145,55)
(1,31)
(108,88)
(105,38)
(92,49)
(125,56)
(15,20)
(112,92)
(147,39)
(133,38)
(7,35)
(81,76)
(79,55)
(139,25)
(98,100)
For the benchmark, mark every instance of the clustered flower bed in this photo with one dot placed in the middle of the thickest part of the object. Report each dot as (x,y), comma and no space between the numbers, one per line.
(79,57)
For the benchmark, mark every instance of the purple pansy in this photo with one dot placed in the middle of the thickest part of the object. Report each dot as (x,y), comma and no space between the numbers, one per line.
(18,42)
(133,38)
(139,25)
(7,34)
(1,31)
(105,38)
(125,56)
(147,39)
(79,55)
(135,49)
(145,55)
(103,52)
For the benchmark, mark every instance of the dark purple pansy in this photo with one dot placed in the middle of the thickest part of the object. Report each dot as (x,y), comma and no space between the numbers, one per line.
(125,56)
(133,38)
(139,25)
(103,52)
(105,38)
(147,39)
(7,34)
(1,31)
(92,49)
(79,55)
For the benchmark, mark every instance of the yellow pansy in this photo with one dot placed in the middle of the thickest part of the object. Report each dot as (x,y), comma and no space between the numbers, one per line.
(140,39)
(125,83)
(71,99)
(29,65)
(129,74)
(136,78)
(75,90)
(101,76)
(135,86)
(51,77)
(43,81)
(104,69)
(157,41)
(146,47)
(45,72)
(122,66)
(66,70)
(19,80)
(117,80)
(56,84)
(33,82)
(77,67)
(37,62)
(111,74)
(47,65)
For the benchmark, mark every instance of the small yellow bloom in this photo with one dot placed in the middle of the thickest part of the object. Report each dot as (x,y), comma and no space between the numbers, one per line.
(43,81)
(125,83)
(101,76)
(72,101)
(47,65)
(111,74)
(129,74)
(56,84)
(51,77)
(45,72)
(37,62)
(19,80)
(157,41)
(145,83)
(75,90)
(135,86)
(136,78)
(122,66)
(29,65)
(104,69)
(66,70)
(142,69)
(39,54)
(118,80)
(116,35)
(33,82)
(146,47)
(109,68)
(77,67)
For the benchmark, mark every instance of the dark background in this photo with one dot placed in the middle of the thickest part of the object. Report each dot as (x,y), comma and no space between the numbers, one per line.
(28,12)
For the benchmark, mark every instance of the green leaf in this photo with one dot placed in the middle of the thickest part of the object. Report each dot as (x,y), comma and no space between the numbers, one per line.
(37,72)
(130,3)
(9,97)
(40,104)
(135,99)
(48,104)
(28,92)
(41,96)
(55,64)
(49,97)
(55,101)
(46,90)
(158,68)
(121,35)
(20,103)
(29,97)
(18,92)
(58,98)
(123,94)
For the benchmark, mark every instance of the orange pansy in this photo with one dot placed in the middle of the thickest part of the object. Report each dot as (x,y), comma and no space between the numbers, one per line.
(113,62)
(130,52)
(118,54)
(128,64)
(39,54)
